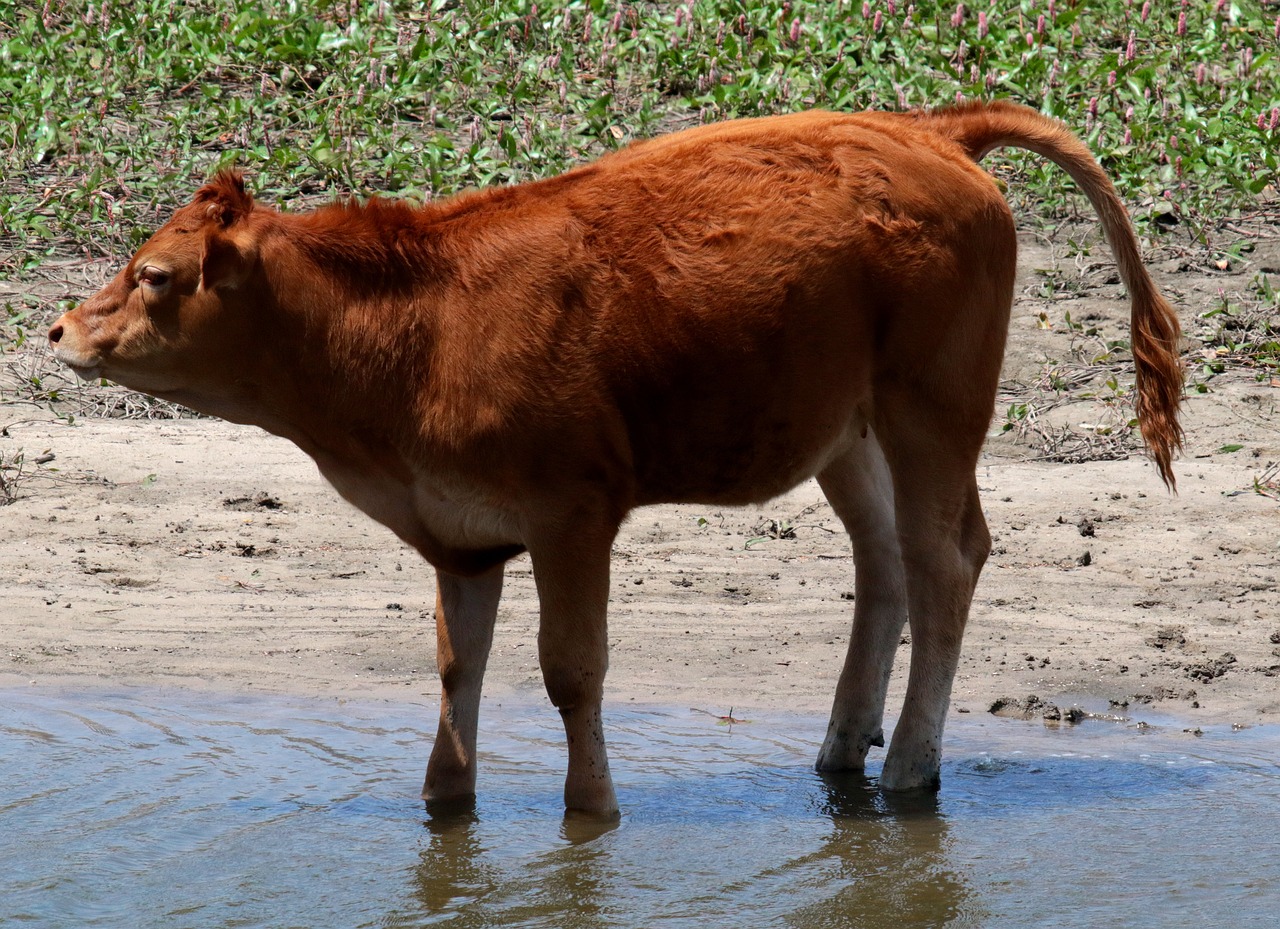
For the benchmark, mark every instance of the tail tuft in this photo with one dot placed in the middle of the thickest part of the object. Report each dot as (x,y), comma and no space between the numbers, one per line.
(1159,380)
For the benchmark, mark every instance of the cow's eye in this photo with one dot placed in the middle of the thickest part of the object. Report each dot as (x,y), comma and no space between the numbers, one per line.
(153,276)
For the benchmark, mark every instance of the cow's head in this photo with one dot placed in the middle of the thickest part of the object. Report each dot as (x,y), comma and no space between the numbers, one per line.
(179,306)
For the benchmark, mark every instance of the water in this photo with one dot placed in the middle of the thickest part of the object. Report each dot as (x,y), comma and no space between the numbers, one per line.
(150,809)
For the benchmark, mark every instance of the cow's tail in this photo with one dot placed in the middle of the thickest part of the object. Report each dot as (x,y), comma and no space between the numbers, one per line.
(979,128)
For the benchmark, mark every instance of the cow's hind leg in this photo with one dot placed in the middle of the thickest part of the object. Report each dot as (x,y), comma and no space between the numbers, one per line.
(859,487)
(931,446)
(466,608)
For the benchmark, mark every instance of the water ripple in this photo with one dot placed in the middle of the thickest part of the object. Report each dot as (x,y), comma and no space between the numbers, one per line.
(182,810)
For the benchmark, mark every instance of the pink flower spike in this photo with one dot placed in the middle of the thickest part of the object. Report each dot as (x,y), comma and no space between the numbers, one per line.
(1131,50)
(1182,23)
(1262,120)
(982,25)
(878,22)
(893,8)
(1093,107)
(957,18)
(1040,25)
(866,10)
(1146,11)
(1128,136)
(1274,123)
(795,30)
(1031,39)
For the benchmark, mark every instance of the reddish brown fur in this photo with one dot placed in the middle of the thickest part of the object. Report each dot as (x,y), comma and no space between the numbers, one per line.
(710,316)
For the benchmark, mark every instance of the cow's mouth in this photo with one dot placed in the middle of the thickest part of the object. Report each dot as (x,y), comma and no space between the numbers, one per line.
(86,373)
(84,369)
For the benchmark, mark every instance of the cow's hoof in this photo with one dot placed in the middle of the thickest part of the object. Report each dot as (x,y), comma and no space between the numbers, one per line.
(843,752)
(901,778)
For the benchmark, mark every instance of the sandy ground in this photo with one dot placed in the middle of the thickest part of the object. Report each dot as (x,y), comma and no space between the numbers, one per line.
(197,554)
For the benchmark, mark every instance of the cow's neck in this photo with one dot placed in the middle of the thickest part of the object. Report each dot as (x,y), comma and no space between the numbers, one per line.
(340,367)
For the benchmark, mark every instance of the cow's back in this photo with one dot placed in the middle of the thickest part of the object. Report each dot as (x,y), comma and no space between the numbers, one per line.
(732,290)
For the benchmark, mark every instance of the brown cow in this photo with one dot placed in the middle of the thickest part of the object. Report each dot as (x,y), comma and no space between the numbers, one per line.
(712,316)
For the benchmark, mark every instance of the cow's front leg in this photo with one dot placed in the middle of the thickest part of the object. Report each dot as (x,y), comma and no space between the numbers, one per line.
(572,575)
(466,608)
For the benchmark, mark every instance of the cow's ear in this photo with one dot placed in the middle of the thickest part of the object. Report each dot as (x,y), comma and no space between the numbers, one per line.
(225,197)
(226,258)
(227,253)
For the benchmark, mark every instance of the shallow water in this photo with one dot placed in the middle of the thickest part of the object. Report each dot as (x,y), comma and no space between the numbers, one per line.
(174,809)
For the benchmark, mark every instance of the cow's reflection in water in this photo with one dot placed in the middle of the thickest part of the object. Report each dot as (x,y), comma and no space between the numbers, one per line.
(886,861)
(458,883)
(872,859)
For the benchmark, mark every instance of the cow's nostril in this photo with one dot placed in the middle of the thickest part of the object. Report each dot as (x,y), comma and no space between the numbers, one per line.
(55,334)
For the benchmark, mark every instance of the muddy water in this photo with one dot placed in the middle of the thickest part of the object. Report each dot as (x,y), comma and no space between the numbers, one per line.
(147,809)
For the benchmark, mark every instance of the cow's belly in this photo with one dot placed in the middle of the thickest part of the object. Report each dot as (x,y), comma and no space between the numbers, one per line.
(746,441)
(741,469)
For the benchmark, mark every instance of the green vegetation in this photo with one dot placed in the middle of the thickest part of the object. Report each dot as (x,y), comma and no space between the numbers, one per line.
(1242,332)
(111,112)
